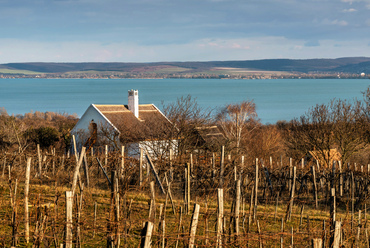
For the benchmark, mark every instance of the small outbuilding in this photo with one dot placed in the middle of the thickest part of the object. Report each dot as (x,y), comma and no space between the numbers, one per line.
(210,138)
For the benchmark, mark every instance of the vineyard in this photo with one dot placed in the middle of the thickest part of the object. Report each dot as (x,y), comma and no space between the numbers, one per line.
(100,198)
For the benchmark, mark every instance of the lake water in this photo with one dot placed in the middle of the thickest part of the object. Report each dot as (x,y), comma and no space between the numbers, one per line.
(277,99)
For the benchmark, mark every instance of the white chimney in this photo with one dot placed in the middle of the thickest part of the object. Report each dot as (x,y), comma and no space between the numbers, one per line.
(133,102)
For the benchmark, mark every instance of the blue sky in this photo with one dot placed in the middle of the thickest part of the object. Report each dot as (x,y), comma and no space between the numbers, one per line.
(181,30)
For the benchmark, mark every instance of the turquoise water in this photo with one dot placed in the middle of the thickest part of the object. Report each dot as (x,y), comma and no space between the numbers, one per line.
(278,99)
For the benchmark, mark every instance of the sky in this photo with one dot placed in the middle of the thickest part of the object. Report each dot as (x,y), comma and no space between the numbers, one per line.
(181,30)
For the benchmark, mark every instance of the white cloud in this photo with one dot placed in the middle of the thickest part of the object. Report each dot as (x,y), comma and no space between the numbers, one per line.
(350,2)
(349,10)
(334,22)
(199,50)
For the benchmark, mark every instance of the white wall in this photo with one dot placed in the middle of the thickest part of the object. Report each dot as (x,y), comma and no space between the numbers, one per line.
(81,130)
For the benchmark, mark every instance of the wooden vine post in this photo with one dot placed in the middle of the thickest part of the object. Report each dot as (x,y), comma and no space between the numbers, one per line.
(290,204)
(26,212)
(337,234)
(76,172)
(188,187)
(141,168)
(193,225)
(122,168)
(220,216)
(69,223)
(237,207)
(147,232)
(39,158)
(222,169)
(314,186)
(86,171)
(255,192)
(152,203)
(316,243)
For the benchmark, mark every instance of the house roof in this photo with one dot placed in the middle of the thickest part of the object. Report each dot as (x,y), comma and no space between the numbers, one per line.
(151,123)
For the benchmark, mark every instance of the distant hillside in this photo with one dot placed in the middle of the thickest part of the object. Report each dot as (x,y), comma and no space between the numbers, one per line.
(340,65)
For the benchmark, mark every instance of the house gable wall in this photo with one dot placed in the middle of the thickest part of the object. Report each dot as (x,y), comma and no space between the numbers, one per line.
(81,130)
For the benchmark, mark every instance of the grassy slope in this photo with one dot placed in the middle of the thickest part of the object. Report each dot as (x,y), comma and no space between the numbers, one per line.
(351,65)
(14,71)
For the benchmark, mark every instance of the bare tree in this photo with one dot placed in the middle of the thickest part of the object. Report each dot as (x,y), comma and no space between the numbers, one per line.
(235,118)
(263,142)
(336,125)
(186,115)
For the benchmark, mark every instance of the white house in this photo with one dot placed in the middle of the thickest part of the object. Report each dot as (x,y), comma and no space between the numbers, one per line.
(133,125)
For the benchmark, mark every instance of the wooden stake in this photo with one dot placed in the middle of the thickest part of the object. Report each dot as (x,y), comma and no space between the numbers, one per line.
(147,240)
(222,169)
(86,170)
(314,186)
(220,216)
(122,169)
(141,168)
(337,232)
(179,228)
(94,223)
(155,173)
(188,187)
(282,233)
(316,243)
(26,191)
(39,159)
(237,207)
(77,171)
(340,179)
(213,167)
(290,204)
(193,225)
(170,194)
(152,203)
(255,192)
(69,224)
(106,157)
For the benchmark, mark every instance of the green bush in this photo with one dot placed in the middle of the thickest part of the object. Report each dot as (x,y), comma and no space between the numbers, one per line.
(45,136)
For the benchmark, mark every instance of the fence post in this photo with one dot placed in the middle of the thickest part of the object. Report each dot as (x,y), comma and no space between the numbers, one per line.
(122,169)
(193,225)
(340,179)
(77,170)
(220,216)
(69,224)
(147,239)
(141,168)
(255,192)
(188,187)
(86,170)
(106,157)
(179,228)
(316,243)
(39,160)
(26,191)
(152,203)
(314,186)
(222,169)
(337,233)
(213,167)
(290,204)
(237,207)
